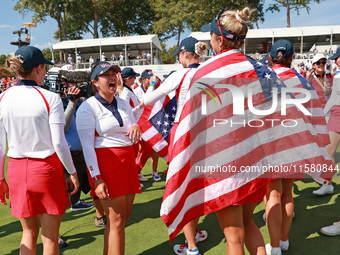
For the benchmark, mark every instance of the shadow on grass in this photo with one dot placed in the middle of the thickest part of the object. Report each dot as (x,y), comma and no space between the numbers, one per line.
(142,211)
(68,216)
(311,214)
(209,223)
(81,239)
(10,228)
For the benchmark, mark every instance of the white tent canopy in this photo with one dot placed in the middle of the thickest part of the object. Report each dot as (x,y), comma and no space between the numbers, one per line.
(125,44)
(301,37)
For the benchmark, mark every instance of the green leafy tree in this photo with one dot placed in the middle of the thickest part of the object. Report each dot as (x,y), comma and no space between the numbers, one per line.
(56,9)
(132,17)
(84,16)
(3,58)
(170,17)
(167,57)
(174,16)
(295,5)
(48,54)
(207,9)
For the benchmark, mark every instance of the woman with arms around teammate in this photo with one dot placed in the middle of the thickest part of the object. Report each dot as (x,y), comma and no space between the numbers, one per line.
(196,143)
(189,52)
(107,130)
(33,121)
(228,31)
(235,90)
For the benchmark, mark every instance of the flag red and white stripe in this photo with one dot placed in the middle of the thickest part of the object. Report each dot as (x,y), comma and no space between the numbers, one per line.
(190,192)
(294,79)
(150,133)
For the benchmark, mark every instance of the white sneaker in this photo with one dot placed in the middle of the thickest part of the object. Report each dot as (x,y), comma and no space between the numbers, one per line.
(182,249)
(142,178)
(273,250)
(155,176)
(201,235)
(141,185)
(284,245)
(332,230)
(324,190)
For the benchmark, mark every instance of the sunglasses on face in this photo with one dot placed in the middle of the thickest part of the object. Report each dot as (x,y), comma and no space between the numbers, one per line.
(320,62)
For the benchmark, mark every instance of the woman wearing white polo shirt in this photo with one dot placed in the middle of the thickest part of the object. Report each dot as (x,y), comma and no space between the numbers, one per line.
(33,121)
(107,130)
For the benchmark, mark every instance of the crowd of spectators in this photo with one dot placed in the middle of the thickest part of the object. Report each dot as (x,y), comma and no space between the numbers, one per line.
(305,68)
(6,83)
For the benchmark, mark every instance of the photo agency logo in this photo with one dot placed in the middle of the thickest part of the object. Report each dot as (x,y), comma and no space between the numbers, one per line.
(250,104)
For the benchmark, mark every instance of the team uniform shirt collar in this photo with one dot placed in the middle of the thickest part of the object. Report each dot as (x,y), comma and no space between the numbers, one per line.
(141,86)
(126,86)
(112,107)
(193,65)
(27,83)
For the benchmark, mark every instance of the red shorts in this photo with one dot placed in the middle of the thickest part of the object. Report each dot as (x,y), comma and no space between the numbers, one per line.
(37,186)
(334,119)
(118,170)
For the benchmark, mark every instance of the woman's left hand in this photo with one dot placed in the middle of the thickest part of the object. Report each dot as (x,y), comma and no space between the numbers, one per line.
(328,90)
(4,193)
(134,133)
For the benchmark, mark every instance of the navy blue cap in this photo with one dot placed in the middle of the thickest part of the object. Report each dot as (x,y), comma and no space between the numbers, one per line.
(336,54)
(129,72)
(31,57)
(282,45)
(102,68)
(213,26)
(187,44)
(167,75)
(146,74)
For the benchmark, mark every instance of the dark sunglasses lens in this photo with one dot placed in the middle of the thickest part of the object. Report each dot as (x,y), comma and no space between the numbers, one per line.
(320,62)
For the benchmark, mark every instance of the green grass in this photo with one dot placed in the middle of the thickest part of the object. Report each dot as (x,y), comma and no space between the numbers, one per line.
(146,233)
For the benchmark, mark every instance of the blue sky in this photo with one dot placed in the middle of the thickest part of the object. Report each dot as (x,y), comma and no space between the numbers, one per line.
(325,13)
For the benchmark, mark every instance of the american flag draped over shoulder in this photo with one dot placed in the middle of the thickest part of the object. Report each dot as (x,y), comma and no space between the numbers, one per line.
(156,122)
(292,78)
(195,184)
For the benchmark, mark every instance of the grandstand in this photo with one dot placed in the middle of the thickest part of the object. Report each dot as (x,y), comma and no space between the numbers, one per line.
(306,41)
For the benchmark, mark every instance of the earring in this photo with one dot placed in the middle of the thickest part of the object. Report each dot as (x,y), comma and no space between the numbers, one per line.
(219,48)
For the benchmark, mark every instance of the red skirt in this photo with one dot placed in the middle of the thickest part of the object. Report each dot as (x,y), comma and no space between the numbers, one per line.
(334,119)
(118,170)
(37,186)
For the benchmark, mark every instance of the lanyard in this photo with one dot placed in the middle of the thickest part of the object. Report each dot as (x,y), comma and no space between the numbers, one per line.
(323,86)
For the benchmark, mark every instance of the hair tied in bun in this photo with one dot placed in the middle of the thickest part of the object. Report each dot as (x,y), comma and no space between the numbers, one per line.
(240,19)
